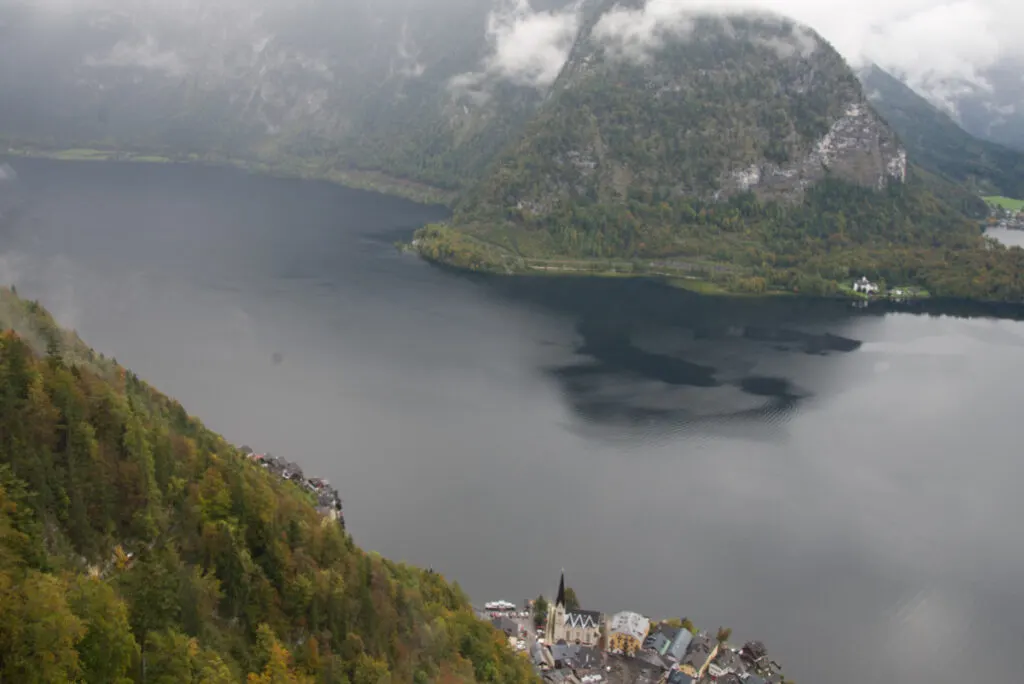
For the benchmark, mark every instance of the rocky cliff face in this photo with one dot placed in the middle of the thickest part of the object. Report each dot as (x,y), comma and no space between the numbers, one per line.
(858,147)
(707,108)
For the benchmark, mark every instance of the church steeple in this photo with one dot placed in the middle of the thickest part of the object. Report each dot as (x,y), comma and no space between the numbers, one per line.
(560,601)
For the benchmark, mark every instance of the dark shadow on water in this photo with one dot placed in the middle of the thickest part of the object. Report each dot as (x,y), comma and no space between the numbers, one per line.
(659,360)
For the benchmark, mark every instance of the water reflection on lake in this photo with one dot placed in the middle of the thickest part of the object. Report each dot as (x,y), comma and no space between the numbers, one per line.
(840,483)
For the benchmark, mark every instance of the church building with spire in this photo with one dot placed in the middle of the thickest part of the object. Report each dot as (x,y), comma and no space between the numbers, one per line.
(572,626)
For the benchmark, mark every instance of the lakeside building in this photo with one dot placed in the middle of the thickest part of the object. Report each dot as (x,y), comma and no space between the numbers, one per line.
(626,632)
(865,286)
(572,626)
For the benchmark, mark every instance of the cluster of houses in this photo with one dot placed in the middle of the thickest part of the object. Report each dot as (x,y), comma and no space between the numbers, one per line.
(328,502)
(1006,218)
(586,647)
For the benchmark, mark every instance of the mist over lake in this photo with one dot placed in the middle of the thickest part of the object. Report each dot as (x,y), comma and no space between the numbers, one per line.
(840,483)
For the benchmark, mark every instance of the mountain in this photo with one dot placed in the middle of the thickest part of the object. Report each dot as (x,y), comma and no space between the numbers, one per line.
(393,86)
(136,545)
(739,104)
(991,108)
(735,149)
(938,143)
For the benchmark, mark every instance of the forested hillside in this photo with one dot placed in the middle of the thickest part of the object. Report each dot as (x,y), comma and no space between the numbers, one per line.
(138,546)
(739,150)
(733,104)
(939,144)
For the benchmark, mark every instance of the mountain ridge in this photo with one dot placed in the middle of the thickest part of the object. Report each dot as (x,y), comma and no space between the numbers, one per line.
(940,144)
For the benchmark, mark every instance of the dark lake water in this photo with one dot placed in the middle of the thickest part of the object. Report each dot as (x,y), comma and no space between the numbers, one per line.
(843,484)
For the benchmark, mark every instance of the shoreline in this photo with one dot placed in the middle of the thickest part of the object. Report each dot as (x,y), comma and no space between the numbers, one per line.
(463,252)
(353,179)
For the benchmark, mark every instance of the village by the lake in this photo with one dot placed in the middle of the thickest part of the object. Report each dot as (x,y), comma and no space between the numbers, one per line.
(328,501)
(567,644)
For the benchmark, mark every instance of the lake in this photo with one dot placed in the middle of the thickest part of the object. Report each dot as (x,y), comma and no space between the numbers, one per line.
(841,483)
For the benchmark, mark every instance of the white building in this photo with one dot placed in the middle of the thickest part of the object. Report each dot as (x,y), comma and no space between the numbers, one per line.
(864,285)
(626,632)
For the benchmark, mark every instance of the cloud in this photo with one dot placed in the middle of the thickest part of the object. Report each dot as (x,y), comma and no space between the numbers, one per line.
(634,32)
(526,47)
(941,47)
(145,54)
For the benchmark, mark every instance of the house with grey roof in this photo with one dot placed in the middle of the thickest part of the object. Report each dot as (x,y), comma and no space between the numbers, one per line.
(507,625)
(660,639)
(575,657)
(727,660)
(677,649)
(699,654)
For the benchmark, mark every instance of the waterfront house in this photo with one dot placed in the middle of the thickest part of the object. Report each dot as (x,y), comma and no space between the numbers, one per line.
(754,653)
(699,654)
(865,286)
(727,660)
(677,649)
(660,639)
(626,632)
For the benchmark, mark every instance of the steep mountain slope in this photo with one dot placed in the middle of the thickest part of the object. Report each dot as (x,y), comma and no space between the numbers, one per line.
(993,111)
(936,142)
(136,545)
(735,104)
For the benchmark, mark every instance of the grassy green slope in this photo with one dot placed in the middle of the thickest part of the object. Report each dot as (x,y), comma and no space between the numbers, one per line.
(1006,202)
(136,545)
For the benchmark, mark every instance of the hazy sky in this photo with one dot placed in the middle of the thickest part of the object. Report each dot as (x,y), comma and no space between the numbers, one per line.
(932,43)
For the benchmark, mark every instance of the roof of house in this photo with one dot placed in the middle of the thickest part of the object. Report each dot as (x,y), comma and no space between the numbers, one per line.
(698,651)
(506,624)
(677,649)
(729,660)
(587,658)
(677,677)
(630,624)
(657,641)
(564,654)
(754,650)
(583,619)
(575,656)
